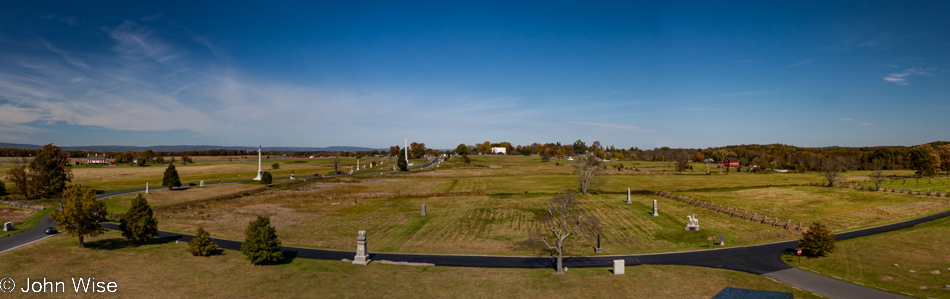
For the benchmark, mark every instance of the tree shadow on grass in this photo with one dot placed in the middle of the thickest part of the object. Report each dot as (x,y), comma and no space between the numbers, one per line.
(120,243)
(289,256)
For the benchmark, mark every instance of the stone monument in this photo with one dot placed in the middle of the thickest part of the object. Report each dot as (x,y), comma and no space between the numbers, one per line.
(202,184)
(362,258)
(693,224)
(618,267)
(292,177)
(654,209)
(628,197)
(598,249)
(8,226)
(260,173)
(424,210)
(722,240)
(146,187)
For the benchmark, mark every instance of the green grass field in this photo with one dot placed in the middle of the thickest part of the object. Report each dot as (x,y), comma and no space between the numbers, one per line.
(869,260)
(164,269)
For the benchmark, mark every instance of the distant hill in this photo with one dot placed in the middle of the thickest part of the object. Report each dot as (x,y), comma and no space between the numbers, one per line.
(181,148)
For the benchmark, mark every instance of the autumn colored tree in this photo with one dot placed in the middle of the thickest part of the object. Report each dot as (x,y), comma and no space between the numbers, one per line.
(19,175)
(924,160)
(80,213)
(943,152)
(817,241)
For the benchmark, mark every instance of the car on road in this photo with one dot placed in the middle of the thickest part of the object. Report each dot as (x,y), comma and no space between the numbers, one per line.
(51,230)
(192,184)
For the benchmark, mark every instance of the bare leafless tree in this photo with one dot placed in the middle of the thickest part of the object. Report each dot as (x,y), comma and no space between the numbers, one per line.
(831,167)
(586,168)
(565,218)
(877,175)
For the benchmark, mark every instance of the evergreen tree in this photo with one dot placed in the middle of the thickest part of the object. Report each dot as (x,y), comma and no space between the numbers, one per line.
(80,213)
(261,245)
(818,241)
(170,178)
(139,223)
(202,245)
(3,189)
(401,161)
(267,178)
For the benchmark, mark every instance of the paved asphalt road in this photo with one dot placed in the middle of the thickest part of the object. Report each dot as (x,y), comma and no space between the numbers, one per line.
(764,259)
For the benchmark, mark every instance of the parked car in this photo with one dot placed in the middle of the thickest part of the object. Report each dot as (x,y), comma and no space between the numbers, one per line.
(51,230)
(192,184)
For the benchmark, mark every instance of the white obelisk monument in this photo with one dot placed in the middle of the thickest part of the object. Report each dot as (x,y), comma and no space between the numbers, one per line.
(260,172)
(407,151)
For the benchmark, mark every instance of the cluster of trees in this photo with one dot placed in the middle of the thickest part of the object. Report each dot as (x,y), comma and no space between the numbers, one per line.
(81,212)
(926,159)
(45,176)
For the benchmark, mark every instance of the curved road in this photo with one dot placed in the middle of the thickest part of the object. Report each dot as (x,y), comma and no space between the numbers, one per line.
(764,259)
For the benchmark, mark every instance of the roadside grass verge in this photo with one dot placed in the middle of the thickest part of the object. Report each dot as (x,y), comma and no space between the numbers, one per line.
(161,268)
(869,260)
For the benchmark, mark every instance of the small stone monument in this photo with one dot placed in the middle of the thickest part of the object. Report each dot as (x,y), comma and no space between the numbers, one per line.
(654,209)
(362,258)
(628,197)
(292,177)
(618,267)
(722,240)
(598,249)
(146,187)
(424,210)
(693,224)
(8,226)
(202,184)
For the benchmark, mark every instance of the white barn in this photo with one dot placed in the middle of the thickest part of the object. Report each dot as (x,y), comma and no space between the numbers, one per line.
(499,150)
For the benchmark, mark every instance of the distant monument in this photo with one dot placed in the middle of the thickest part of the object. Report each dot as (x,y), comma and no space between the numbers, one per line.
(362,258)
(260,173)
(146,187)
(693,224)
(654,209)
(202,184)
(628,197)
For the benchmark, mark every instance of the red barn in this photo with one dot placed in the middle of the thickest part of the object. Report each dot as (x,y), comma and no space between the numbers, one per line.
(730,162)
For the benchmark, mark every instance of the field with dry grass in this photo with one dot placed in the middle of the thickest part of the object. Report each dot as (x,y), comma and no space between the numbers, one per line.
(163,269)
(839,208)
(166,197)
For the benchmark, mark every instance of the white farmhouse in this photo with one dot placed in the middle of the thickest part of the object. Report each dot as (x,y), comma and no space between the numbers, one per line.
(499,150)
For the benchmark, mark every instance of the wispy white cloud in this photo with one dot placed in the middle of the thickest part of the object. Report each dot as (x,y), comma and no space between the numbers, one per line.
(801,63)
(901,78)
(846,119)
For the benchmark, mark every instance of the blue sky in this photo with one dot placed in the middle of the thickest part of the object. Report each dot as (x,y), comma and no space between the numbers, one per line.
(644,74)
